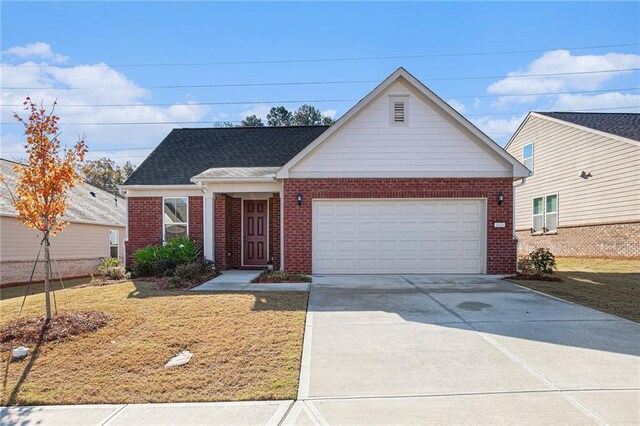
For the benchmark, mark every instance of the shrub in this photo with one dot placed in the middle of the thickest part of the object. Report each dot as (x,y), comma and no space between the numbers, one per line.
(112,268)
(189,271)
(179,250)
(525,265)
(544,262)
(165,267)
(206,266)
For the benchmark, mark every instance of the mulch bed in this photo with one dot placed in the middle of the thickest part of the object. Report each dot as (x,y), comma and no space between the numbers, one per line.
(162,283)
(522,277)
(275,277)
(66,324)
(101,281)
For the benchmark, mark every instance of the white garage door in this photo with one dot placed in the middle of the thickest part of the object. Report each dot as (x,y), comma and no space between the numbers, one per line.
(398,236)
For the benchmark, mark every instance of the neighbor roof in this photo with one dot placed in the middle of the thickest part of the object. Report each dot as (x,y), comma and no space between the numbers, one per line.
(626,125)
(185,153)
(82,205)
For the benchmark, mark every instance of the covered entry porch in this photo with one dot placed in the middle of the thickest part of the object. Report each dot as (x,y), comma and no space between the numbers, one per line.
(242,217)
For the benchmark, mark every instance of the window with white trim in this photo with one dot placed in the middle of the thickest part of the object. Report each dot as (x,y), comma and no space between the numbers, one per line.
(114,242)
(175,218)
(538,215)
(398,109)
(544,217)
(527,156)
(551,213)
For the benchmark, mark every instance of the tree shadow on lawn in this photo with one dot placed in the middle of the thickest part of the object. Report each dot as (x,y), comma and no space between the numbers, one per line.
(263,300)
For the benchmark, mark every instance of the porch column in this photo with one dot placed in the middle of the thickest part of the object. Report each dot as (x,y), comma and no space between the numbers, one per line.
(208,228)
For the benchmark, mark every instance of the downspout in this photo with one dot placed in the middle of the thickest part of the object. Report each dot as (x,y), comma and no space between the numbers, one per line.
(513,217)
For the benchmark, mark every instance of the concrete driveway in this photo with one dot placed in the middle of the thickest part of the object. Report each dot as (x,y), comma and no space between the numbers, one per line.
(422,349)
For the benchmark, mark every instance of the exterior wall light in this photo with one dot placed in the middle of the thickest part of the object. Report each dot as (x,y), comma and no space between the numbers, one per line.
(500,198)
(299,198)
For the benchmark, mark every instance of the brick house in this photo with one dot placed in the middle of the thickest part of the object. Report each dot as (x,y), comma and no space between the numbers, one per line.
(401,183)
(583,197)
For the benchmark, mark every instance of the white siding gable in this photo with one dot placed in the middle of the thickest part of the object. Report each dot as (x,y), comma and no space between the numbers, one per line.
(428,144)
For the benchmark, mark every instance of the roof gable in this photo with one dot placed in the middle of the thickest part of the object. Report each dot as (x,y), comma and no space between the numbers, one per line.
(185,153)
(444,118)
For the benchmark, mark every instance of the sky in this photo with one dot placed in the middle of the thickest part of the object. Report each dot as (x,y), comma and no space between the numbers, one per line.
(116,58)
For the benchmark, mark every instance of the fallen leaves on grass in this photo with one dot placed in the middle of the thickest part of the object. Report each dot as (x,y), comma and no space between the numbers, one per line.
(29,330)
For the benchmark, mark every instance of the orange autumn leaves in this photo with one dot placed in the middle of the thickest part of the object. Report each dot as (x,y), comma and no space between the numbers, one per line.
(41,195)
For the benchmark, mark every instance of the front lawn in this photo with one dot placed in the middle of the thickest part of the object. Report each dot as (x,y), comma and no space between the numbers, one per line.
(609,285)
(246,347)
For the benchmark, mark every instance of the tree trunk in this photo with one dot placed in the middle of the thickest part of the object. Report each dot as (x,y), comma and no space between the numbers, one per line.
(47,283)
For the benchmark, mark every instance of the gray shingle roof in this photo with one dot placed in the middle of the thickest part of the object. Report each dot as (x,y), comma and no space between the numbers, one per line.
(185,153)
(82,206)
(621,124)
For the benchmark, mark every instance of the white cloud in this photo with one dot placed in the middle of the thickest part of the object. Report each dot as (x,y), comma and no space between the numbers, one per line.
(259,110)
(561,61)
(330,113)
(35,50)
(496,126)
(103,85)
(604,100)
(458,106)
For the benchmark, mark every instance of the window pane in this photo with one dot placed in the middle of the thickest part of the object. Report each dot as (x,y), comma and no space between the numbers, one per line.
(527,151)
(537,205)
(175,210)
(181,210)
(113,251)
(552,203)
(113,237)
(172,231)
(528,163)
(537,223)
(551,221)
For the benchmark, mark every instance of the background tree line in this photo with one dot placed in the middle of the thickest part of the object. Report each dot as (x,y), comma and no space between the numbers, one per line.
(306,115)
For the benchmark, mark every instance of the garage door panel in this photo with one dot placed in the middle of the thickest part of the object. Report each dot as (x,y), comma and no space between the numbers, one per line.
(395,236)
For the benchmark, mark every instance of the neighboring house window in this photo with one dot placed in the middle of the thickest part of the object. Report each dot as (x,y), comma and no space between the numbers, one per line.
(398,106)
(175,218)
(551,213)
(538,215)
(545,214)
(527,155)
(114,242)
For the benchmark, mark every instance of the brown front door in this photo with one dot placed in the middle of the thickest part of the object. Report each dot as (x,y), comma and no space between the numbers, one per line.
(254,242)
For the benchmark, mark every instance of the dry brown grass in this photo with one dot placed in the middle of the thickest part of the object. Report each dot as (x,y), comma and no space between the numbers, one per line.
(246,346)
(609,285)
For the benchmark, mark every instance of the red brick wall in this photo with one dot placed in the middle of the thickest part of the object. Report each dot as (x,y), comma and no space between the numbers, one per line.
(611,240)
(226,223)
(145,222)
(274,230)
(501,247)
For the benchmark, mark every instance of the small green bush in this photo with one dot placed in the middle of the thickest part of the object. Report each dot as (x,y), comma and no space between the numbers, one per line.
(525,266)
(543,261)
(180,250)
(112,269)
(189,271)
(165,267)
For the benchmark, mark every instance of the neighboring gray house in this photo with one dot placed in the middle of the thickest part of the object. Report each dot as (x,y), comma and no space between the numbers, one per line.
(96,230)
(583,198)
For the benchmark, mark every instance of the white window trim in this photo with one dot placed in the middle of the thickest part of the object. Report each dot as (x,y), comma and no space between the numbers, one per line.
(557,213)
(398,98)
(164,238)
(533,165)
(117,244)
(544,213)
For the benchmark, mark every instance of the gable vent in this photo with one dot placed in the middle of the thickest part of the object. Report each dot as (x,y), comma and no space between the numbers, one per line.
(398,112)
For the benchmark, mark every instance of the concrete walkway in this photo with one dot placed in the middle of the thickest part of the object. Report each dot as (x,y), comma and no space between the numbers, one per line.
(240,280)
